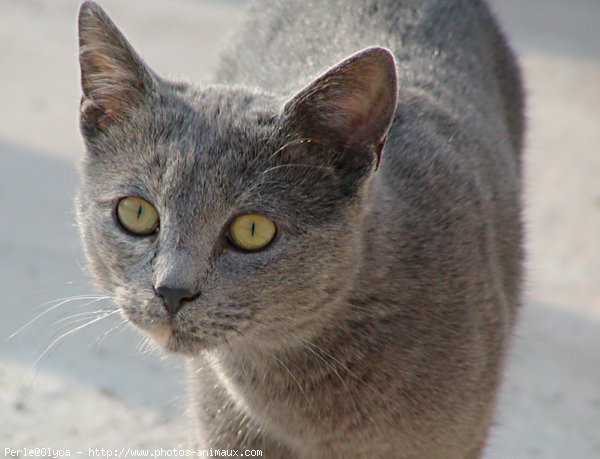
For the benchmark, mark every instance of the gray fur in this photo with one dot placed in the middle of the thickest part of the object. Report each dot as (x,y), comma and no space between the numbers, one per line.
(376,324)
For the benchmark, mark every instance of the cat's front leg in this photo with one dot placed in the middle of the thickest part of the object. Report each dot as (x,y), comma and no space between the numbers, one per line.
(225,428)
(220,424)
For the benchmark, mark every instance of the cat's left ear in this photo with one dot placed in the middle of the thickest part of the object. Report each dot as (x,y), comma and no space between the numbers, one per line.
(352,104)
(113,77)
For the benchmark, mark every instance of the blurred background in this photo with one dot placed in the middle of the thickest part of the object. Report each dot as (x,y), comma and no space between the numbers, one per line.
(67,385)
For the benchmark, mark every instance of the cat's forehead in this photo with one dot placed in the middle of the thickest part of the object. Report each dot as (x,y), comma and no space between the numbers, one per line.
(215,134)
(197,146)
(216,117)
(228,104)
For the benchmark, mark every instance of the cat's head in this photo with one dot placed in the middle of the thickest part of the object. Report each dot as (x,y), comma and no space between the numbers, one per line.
(217,214)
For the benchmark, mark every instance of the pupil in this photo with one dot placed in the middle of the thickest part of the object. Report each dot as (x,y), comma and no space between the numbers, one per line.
(252,228)
(139,212)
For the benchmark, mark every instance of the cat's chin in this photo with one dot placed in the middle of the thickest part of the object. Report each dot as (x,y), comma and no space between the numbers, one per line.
(172,341)
(161,335)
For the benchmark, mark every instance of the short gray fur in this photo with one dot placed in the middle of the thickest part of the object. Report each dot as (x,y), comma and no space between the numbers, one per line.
(376,324)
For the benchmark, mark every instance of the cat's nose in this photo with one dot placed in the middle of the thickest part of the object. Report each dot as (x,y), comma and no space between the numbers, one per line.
(173,298)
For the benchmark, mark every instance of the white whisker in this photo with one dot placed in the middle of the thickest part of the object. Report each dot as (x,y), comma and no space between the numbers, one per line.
(146,346)
(64,335)
(81,315)
(270,169)
(101,338)
(67,299)
(52,308)
(291,144)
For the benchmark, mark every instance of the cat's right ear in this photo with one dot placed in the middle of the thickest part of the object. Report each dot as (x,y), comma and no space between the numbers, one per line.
(114,78)
(352,104)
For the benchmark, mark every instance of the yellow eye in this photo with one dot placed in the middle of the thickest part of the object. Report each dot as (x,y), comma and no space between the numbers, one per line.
(137,216)
(252,231)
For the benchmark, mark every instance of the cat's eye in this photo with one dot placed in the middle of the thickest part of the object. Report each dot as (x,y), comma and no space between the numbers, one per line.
(137,216)
(251,232)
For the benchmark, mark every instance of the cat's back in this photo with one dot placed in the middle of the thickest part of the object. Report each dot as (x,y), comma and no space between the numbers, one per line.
(285,43)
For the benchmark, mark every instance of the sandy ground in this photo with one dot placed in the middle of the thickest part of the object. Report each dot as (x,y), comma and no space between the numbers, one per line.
(90,389)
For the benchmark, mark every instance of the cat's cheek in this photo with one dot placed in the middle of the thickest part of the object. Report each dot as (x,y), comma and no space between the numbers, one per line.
(118,251)
(140,308)
(128,258)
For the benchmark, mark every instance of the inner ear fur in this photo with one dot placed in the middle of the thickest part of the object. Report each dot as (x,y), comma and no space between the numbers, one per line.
(351,104)
(113,77)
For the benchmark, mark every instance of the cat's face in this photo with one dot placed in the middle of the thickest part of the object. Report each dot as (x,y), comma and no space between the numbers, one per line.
(201,158)
(199,175)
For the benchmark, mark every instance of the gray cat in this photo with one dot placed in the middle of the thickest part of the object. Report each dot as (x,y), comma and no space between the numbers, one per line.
(331,233)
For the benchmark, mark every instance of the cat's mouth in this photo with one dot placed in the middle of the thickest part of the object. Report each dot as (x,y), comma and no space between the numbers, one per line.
(179,335)
(176,340)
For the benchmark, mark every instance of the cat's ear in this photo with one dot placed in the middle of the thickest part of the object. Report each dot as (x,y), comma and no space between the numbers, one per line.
(113,77)
(352,104)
